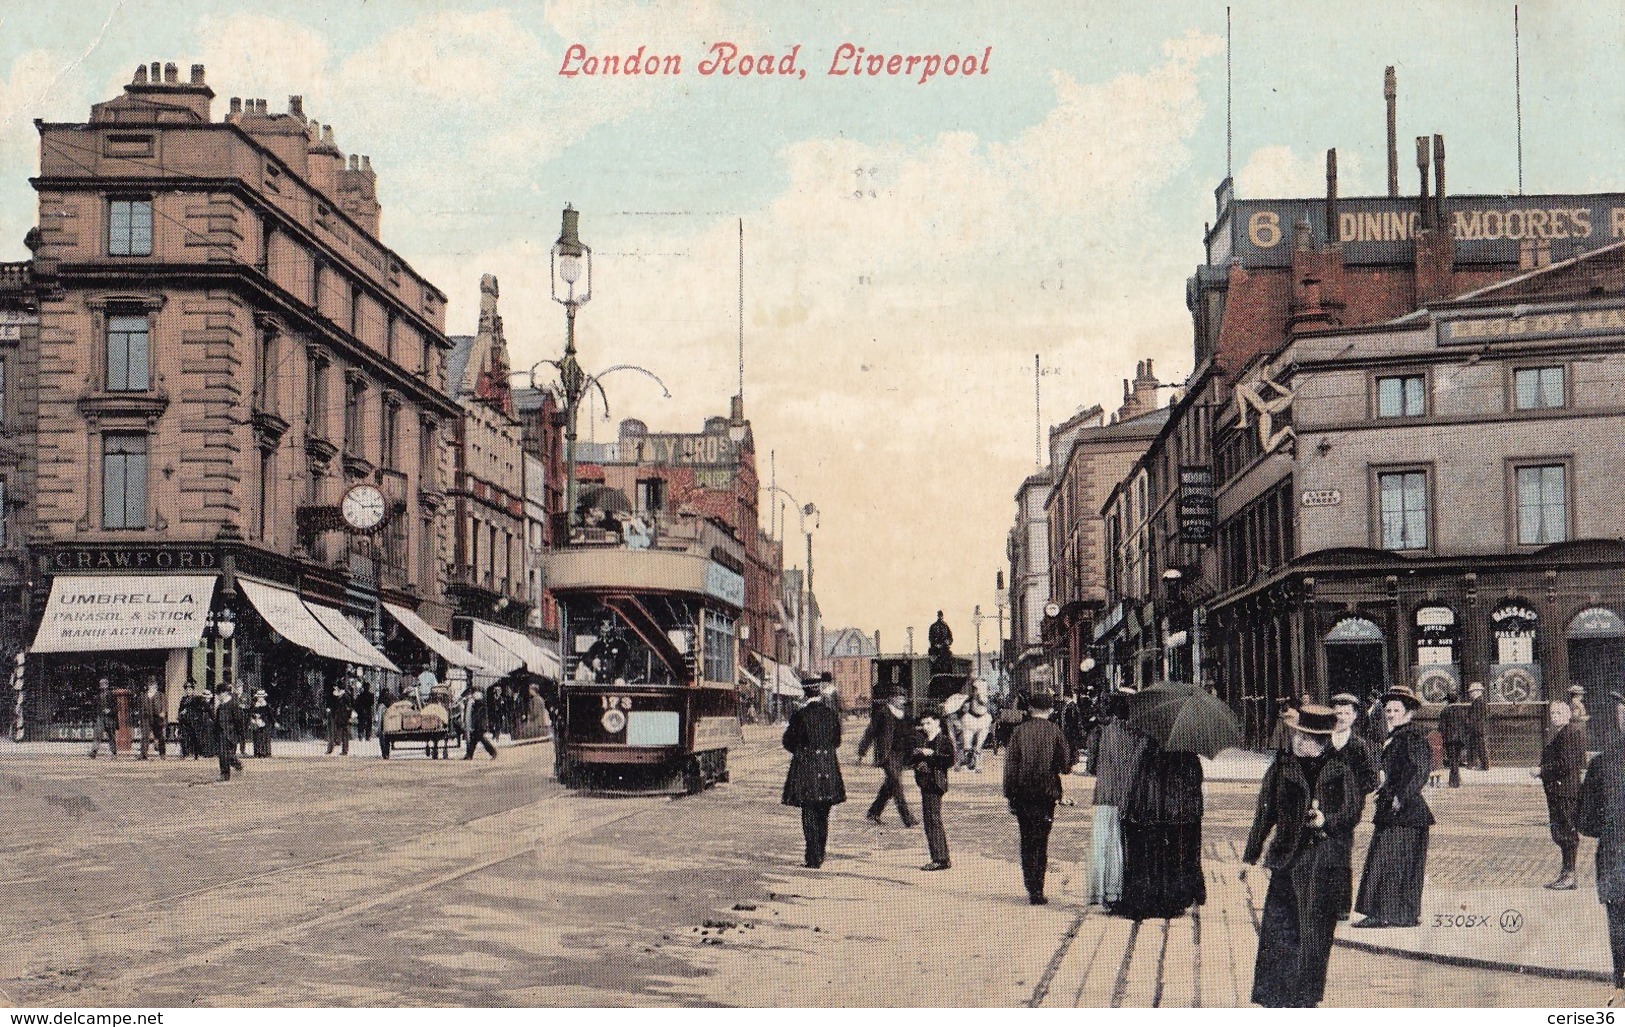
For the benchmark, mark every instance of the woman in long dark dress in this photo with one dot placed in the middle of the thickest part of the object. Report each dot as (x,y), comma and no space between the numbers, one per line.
(1391,884)
(1310,800)
(1602,816)
(1162,837)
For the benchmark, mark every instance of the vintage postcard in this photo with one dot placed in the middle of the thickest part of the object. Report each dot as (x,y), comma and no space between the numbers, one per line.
(1205,422)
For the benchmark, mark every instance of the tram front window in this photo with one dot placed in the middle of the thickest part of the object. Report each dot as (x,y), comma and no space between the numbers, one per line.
(607,650)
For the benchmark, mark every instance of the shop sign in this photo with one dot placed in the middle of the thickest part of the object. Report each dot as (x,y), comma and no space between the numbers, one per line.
(96,613)
(1322,497)
(1510,613)
(1435,616)
(1596,622)
(726,585)
(1354,629)
(1519,327)
(134,558)
(1196,504)
(12,323)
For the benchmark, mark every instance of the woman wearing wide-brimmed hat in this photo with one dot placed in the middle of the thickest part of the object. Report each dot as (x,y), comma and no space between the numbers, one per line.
(1391,884)
(1310,799)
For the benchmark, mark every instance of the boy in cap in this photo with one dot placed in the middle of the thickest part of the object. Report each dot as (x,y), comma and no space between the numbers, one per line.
(933,757)
(226,728)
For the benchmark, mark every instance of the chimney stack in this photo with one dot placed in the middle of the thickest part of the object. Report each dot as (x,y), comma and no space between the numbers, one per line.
(172,74)
(1331,197)
(1390,92)
(1423,156)
(140,75)
(1438,180)
(197,74)
(296,107)
(157,73)
(236,106)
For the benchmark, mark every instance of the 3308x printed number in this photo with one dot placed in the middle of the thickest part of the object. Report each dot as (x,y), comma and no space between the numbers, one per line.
(1460,919)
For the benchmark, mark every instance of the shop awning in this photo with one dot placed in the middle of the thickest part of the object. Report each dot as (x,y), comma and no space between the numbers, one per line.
(507,650)
(351,637)
(452,652)
(106,612)
(296,620)
(788,681)
(748,678)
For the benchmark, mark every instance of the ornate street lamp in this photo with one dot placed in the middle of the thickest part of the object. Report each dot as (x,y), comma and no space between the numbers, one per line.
(572,286)
(804,511)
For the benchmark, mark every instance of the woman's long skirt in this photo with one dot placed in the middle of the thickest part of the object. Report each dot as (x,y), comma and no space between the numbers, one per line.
(1391,884)
(1162,870)
(1106,857)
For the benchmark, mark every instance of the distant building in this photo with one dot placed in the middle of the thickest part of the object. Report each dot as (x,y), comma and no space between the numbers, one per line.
(850,656)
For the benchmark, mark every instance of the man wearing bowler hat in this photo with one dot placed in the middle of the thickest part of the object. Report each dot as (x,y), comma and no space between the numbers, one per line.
(1478,722)
(1033,764)
(814,782)
(892,737)
(1310,800)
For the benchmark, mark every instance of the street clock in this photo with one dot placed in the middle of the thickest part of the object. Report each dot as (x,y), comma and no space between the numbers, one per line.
(363,507)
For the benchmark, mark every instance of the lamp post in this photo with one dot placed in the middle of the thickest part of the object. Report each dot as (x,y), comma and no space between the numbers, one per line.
(1170,581)
(1000,600)
(804,598)
(571,267)
(976,618)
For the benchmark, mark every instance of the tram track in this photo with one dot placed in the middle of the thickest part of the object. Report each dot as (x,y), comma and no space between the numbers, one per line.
(187,929)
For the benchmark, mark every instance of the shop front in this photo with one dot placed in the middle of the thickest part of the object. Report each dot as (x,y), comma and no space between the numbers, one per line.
(122,627)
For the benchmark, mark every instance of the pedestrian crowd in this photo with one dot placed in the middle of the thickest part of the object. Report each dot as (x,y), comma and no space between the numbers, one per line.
(1331,763)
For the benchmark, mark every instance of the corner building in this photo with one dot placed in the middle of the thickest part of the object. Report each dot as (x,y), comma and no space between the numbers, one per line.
(226,351)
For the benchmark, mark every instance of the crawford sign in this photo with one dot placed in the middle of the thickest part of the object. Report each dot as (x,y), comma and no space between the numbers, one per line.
(133,558)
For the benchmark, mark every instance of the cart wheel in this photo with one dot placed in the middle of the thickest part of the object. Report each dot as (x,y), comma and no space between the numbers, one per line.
(567,774)
(722,767)
(383,746)
(693,776)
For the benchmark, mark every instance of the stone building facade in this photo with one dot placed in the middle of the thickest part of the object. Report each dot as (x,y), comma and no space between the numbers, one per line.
(227,353)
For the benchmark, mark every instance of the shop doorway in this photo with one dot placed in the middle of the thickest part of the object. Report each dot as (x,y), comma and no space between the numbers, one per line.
(1356,658)
(1596,640)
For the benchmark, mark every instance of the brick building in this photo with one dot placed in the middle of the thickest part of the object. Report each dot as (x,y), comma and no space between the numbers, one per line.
(488,581)
(239,408)
(1294,296)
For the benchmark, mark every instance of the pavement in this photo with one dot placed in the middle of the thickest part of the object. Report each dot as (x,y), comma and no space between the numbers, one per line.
(542,897)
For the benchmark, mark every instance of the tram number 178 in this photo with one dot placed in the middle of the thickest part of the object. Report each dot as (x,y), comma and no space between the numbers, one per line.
(616,702)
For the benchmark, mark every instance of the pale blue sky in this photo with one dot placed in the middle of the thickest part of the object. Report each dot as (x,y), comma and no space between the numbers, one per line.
(1055,204)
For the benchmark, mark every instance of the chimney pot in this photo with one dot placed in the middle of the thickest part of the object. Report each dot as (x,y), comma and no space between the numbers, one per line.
(236,106)
(327,135)
(172,74)
(157,72)
(296,106)
(197,74)
(140,75)
(355,163)
(1148,369)
(366,163)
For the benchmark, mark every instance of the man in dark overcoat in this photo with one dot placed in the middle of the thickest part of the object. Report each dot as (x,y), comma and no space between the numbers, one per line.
(1601,816)
(365,702)
(1453,728)
(813,737)
(154,717)
(227,724)
(106,721)
(1037,757)
(892,737)
(1478,723)
(338,718)
(194,717)
(1310,800)
(479,724)
(1562,761)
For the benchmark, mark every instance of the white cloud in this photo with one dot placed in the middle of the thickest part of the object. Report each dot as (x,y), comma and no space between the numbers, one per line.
(1276,171)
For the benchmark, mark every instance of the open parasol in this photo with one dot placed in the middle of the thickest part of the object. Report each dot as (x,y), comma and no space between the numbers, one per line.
(1183,718)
